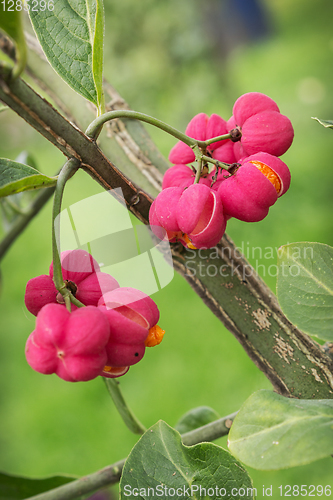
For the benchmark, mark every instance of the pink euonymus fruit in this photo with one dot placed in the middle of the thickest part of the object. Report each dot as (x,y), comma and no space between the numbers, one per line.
(132,317)
(201,127)
(72,345)
(200,216)
(82,276)
(257,184)
(193,216)
(183,176)
(263,127)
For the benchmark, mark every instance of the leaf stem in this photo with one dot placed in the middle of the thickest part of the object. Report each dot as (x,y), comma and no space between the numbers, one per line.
(65,174)
(94,128)
(218,138)
(111,474)
(198,173)
(217,163)
(134,425)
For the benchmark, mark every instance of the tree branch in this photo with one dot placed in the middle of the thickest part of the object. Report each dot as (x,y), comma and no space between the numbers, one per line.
(292,361)
(86,484)
(71,141)
(112,473)
(124,142)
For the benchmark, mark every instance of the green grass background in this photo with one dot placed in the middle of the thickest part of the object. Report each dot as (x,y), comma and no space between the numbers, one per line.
(161,58)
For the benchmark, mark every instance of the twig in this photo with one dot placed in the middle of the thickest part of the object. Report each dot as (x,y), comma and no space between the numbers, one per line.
(23,220)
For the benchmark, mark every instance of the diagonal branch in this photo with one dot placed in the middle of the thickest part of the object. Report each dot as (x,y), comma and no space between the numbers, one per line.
(24,219)
(125,142)
(292,361)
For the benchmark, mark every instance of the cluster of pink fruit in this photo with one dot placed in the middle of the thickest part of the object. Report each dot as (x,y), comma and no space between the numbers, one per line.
(104,338)
(196,213)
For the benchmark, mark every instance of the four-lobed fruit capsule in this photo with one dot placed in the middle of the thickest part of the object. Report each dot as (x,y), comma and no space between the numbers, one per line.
(256,185)
(82,276)
(194,216)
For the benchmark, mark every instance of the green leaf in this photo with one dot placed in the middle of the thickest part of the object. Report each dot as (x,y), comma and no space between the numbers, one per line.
(160,461)
(273,432)
(14,205)
(324,123)
(305,287)
(16,177)
(197,417)
(11,23)
(16,487)
(3,107)
(71,36)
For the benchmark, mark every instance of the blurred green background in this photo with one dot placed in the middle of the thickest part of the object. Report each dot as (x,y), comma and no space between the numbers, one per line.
(172,60)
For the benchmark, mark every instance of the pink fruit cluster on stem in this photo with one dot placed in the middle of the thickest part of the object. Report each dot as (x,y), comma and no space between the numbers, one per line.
(258,179)
(104,338)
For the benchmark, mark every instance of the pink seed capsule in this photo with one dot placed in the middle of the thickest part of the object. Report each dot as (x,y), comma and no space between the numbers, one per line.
(263,127)
(132,316)
(269,132)
(226,152)
(82,276)
(200,216)
(256,185)
(193,216)
(201,128)
(166,208)
(182,176)
(71,345)
(250,104)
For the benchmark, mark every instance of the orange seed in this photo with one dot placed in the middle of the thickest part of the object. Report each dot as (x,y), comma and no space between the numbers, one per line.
(269,173)
(114,369)
(155,336)
(188,242)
